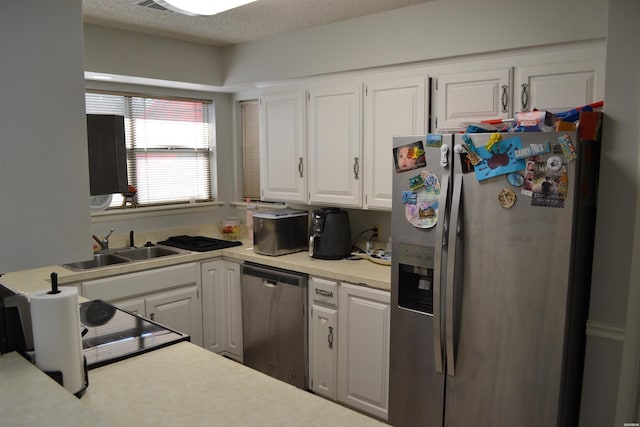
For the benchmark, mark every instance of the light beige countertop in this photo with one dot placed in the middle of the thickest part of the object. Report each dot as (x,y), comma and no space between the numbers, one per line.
(359,271)
(177,385)
(30,398)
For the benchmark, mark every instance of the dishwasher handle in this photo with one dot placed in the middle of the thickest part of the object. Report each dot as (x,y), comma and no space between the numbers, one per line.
(274,276)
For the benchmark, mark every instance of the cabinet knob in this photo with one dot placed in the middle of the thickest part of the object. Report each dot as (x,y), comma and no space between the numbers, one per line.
(152,316)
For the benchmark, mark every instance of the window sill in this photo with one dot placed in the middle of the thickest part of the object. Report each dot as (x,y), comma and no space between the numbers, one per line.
(154,211)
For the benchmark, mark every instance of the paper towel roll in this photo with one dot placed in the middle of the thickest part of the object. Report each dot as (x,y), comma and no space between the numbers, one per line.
(57,339)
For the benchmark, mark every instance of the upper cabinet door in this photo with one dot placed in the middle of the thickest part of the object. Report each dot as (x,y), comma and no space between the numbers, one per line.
(470,97)
(282,147)
(391,108)
(559,86)
(334,143)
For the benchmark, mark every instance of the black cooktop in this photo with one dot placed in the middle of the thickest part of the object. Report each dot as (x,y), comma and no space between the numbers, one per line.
(198,243)
(113,334)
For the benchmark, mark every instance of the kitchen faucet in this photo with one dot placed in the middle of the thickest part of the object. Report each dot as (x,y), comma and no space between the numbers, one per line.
(104,243)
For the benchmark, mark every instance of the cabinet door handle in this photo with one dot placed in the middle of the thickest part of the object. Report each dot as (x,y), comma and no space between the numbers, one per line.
(300,167)
(505,98)
(324,293)
(152,316)
(524,97)
(356,168)
(330,337)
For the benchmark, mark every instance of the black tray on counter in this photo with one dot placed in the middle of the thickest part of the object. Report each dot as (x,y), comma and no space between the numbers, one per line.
(199,243)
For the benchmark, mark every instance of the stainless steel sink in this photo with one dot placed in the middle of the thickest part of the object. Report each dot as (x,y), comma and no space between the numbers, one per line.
(99,260)
(151,252)
(120,256)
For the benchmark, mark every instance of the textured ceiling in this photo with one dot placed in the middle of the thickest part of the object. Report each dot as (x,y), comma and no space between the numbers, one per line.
(251,22)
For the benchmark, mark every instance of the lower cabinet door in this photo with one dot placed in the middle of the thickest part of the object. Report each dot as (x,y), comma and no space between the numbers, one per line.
(363,346)
(179,309)
(324,351)
(132,305)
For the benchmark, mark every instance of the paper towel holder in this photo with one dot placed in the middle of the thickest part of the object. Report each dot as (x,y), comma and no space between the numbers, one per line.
(58,376)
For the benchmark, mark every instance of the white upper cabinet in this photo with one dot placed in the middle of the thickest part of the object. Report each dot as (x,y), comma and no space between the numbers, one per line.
(335,145)
(282,146)
(559,86)
(472,96)
(391,107)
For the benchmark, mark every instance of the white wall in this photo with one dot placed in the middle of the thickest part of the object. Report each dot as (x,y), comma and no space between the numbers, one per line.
(114,51)
(437,29)
(611,371)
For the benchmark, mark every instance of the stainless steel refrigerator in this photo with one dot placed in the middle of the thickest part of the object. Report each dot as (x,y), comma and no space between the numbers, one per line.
(490,278)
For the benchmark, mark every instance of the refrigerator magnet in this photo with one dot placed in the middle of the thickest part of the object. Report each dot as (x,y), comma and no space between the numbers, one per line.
(568,148)
(416,182)
(424,212)
(516,179)
(409,197)
(409,156)
(507,198)
(434,140)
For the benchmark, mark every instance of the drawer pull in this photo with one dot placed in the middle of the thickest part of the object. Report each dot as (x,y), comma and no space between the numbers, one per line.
(330,337)
(324,293)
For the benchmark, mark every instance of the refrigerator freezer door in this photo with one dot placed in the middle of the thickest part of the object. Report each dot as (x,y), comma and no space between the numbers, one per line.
(514,280)
(416,380)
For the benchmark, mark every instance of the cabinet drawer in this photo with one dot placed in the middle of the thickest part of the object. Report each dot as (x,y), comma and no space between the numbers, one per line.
(324,291)
(142,282)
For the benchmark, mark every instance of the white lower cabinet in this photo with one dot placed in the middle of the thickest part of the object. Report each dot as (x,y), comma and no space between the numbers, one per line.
(167,295)
(323,337)
(222,308)
(349,345)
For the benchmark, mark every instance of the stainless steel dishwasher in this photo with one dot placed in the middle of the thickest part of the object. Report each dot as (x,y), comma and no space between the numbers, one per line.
(274,322)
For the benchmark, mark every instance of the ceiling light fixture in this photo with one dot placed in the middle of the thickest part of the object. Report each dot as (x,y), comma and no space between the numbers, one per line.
(201,7)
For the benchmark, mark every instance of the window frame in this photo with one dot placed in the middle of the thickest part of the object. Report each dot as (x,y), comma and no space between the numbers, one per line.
(166,94)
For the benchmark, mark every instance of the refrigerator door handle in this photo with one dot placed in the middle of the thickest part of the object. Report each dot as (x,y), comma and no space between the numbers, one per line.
(455,233)
(441,239)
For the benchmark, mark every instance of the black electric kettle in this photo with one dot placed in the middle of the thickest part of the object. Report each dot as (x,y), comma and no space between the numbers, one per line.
(330,234)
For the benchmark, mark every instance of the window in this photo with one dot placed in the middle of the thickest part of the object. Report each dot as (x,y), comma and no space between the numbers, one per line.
(250,150)
(169,146)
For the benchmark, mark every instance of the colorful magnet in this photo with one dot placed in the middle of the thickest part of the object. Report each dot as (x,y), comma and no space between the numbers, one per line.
(500,161)
(568,148)
(550,183)
(416,182)
(516,179)
(424,212)
(532,150)
(554,163)
(409,197)
(409,156)
(434,140)
(493,139)
(507,198)
(469,148)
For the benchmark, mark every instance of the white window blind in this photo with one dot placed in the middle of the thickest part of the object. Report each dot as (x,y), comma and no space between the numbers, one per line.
(169,146)
(250,150)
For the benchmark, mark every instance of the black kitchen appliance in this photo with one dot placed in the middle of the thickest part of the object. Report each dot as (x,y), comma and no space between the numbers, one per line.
(330,234)
(199,243)
(15,322)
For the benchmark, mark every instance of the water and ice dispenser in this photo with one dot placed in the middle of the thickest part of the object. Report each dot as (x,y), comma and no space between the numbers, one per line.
(415,271)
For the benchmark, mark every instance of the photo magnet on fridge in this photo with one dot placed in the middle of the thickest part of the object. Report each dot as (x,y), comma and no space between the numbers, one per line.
(409,156)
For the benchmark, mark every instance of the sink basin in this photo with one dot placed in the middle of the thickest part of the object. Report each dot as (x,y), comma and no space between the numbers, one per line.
(119,256)
(146,252)
(99,260)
